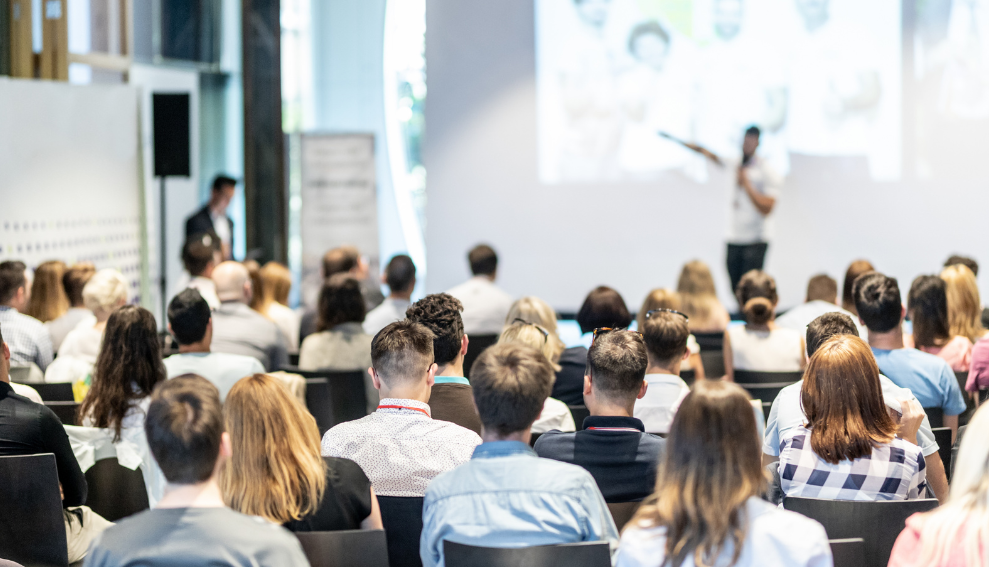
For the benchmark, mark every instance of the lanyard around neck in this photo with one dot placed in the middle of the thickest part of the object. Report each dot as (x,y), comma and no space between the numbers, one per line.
(424,412)
(612,429)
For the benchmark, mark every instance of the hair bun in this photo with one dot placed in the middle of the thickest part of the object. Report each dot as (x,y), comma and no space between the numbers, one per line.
(758,310)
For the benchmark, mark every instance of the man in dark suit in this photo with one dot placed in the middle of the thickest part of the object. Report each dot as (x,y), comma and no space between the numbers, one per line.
(213,217)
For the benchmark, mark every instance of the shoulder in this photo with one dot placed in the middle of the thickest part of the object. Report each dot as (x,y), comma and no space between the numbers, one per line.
(555,445)
(642,545)
(456,433)
(901,451)
(768,521)
(345,469)
(578,355)
(237,360)
(795,437)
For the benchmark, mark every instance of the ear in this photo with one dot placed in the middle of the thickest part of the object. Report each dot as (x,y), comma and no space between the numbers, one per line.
(6,352)
(431,374)
(374,378)
(463,345)
(169,327)
(588,384)
(686,355)
(642,390)
(226,445)
(903,312)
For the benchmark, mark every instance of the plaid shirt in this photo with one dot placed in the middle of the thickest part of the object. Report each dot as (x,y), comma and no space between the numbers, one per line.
(894,471)
(27,338)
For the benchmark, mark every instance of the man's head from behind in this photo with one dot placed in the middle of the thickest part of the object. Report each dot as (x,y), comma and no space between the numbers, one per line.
(400,275)
(826,326)
(877,300)
(665,336)
(233,282)
(483,260)
(822,287)
(188,317)
(75,279)
(201,253)
(616,368)
(440,313)
(184,426)
(344,259)
(510,382)
(402,356)
(13,284)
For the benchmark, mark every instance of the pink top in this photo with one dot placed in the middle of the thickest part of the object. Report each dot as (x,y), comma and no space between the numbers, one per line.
(906,550)
(978,373)
(957,353)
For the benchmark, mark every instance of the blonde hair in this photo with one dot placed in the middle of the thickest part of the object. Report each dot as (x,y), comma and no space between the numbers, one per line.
(964,306)
(105,292)
(276,470)
(697,294)
(529,334)
(534,310)
(257,286)
(48,299)
(658,298)
(276,283)
(962,524)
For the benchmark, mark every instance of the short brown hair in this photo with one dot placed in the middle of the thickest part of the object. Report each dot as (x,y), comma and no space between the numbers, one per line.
(483,260)
(822,287)
(665,335)
(74,279)
(12,278)
(757,295)
(340,259)
(402,351)
(856,269)
(184,425)
(511,383)
(199,250)
(603,307)
(340,301)
(617,362)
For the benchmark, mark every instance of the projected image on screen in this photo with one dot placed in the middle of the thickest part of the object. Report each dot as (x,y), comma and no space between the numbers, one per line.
(819,77)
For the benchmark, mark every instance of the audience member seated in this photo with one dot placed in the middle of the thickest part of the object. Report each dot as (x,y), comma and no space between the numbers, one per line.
(257,285)
(344,260)
(953,535)
(788,412)
(190,323)
(27,338)
(73,281)
(659,299)
(238,329)
(848,450)
(707,508)
(700,300)
(340,343)
(555,415)
(29,428)
(855,269)
(978,372)
(931,380)
(964,305)
(191,525)
(400,277)
(664,333)
(276,471)
(613,446)
(276,285)
(48,301)
(201,253)
(927,304)
(822,297)
(451,398)
(506,496)
(485,304)
(974,267)
(400,447)
(760,344)
(105,293)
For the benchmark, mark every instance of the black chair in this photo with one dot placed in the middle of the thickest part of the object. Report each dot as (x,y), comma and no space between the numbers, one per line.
(477,345)
(533,438)
(710,341)
(943,437)
(350,548)
(877,523)
(56,392)
(579,413)
(765,392)
(333,396)
(293,359)
(622,512)
(962,378)
(688,376)
(32,529)
(766,408)
(848,552)
(66,411)
(743,377)
(714,363)
(115,491)
(402,519)
(935,416)
(584,554)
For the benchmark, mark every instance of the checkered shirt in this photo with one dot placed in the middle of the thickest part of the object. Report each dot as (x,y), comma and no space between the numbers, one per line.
(27,338)
(894,471)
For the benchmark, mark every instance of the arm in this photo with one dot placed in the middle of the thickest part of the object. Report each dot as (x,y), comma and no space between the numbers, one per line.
(430,542)
(763,203)
(803,353)
(698,365)
(46,353)
(952,422)
(70,476)
(726,353)
(373,521)
(937,480)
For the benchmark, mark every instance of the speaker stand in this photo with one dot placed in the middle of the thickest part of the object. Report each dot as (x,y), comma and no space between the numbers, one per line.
(162,259)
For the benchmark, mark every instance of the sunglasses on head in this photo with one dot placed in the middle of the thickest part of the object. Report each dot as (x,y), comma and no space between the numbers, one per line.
(604,330)
(538,327)
(664,310)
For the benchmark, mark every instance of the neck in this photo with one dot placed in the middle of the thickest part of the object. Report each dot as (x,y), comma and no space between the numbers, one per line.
(488,436)
(489,277)
(201,346)
(454,368)
(767,326)
(889,340)
(656,368)
(201,495)
(401,295)
(603,407)
(419,392)
(216,208)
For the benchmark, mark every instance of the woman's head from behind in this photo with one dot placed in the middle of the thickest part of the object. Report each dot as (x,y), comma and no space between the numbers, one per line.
(48,300)
(696,279)
(603,307)
(340,301)
(757,296)
(927,304)
(104,293)
(534,310)
(276,283)
(964,305)
(530,334)
(843,400)
(856,269)
(658,299)
(276,470)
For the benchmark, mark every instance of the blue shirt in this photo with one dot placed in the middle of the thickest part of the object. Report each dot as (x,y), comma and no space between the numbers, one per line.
(508,497)
(929,378)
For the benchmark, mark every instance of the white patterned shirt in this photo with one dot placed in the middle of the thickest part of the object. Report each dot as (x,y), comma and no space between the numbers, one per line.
(27,338)
(400,447)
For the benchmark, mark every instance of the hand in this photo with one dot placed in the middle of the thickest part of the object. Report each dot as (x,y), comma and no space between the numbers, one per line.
(741,177)
(913,415)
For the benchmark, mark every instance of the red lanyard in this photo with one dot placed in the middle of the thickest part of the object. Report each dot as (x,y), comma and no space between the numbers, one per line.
(426,413)
(612,429)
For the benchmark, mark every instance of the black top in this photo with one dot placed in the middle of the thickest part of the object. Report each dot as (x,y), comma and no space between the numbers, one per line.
(623,463)
(202,222)
(569,385)
(27,428)
(346,502)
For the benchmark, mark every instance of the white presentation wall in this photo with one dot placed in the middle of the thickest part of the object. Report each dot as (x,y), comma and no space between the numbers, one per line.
(517,141)
(69,181)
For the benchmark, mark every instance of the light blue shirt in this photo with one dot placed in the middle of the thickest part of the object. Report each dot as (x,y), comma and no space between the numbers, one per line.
(220,368)
(452,380)
(506,496)
(929,377)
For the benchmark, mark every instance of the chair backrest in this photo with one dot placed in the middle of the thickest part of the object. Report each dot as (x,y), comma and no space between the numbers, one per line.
(65,411)
(710,341)
(877,523)
(765,392)
(115,491)
(56,392)
(29,374)
(583,554)
(848,552)
(688,376)
(477,345)
(333,396)
(714,363)
(579,413)
(533,437)
(350,548)
(943,437)
(935,416)
(293,359)
(402,519)
(758,377)
(622,512)
(32,529)
(962,378)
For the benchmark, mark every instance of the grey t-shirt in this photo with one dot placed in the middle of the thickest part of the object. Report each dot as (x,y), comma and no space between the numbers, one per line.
(177,537)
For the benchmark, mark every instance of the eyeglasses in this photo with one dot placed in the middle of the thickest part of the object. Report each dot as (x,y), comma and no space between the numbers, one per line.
(684,315)
(538,327)
(603,330)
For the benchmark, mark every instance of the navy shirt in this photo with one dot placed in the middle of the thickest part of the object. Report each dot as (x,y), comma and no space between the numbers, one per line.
(569,385)
(617,452)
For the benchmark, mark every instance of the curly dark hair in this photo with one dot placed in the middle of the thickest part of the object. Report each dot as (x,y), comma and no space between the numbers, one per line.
(127,369)
(440,313)
(340,301)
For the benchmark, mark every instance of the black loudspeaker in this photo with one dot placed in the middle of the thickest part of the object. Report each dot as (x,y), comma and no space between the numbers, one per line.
(171,134)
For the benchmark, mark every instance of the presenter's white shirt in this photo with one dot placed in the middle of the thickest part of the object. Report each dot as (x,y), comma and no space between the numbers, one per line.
(748,225)
(485,305)
(800,316)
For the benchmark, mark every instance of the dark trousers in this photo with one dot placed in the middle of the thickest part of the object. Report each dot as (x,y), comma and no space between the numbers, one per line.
(744,257)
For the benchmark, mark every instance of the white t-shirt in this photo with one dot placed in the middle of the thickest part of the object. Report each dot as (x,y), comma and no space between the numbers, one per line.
(220,368)
(800,316)
(388,312)
(485,305)
(779,350)
(748,225)
(82,343)
(657,408)
(555,415)
(288,322)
